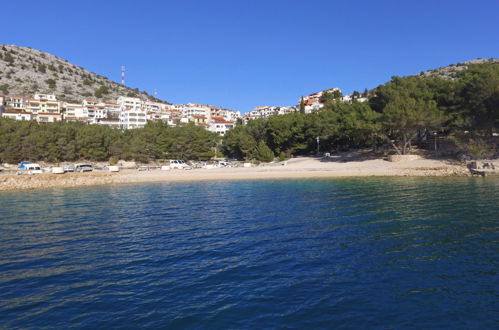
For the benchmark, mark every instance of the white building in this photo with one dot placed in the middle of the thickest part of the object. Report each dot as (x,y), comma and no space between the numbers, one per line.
(17,115)
(46,117)
(74,110)
(16,102)
(129,103)
(193,109)
(112,122)
(221,127)
(130,119)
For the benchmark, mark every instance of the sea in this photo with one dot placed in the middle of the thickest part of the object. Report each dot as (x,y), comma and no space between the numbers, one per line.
(347,253)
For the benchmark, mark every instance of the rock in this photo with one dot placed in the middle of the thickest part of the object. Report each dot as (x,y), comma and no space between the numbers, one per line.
(57,170)
(114,169)
(125,164)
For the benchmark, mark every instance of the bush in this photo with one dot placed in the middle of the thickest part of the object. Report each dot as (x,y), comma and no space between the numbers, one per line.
(101,91)
(282,156)
(42,68)
(51,83)
(113,160)
(8,58)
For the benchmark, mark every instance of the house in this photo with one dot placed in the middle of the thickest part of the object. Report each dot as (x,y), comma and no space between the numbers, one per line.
(129,103)
(112,122)
(16,102)
(199,120)
(74,110)
(220,125)
(17,115)
(43,117)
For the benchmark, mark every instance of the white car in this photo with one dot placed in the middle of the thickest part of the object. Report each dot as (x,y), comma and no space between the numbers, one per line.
(83,168)
(31,169)
(179,164)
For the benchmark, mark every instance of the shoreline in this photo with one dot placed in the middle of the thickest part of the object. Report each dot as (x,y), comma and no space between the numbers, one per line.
(296,168)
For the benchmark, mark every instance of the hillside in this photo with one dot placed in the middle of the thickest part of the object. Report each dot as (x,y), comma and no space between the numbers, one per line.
(450,71)
(26,71)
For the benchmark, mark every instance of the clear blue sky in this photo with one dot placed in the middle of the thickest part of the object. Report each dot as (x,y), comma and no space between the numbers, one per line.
(241,54)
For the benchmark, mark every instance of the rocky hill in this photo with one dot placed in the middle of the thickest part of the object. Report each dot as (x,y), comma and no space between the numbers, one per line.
(450,71)
(26,71)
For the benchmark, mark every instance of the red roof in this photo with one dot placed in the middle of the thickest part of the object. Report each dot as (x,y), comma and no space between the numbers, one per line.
(224,122)
(17,112)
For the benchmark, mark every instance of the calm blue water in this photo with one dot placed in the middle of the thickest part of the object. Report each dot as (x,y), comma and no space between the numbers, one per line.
(390,253)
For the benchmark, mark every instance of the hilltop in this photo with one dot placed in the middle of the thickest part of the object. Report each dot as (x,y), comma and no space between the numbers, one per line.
(451,71)
(26,71)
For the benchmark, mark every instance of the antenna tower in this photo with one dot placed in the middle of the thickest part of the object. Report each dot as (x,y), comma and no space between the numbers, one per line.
(123,75)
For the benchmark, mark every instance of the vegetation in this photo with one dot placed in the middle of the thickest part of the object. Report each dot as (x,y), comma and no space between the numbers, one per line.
(68,141)
(51,83)
(101,91)
(402,112)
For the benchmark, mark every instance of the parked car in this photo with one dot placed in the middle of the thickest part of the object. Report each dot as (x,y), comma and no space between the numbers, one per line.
(143,168)
(68,168)
(179,164)
(81,167)
(223,164)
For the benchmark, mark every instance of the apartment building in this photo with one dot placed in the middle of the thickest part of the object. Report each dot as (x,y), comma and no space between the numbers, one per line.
(193,109)
(130,119)
(129,103)
(43,103)
(16,102)
(125,113)
(47,117)
(74,111)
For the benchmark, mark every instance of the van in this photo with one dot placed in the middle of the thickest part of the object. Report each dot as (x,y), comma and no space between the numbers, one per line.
(30,168)
(83,167)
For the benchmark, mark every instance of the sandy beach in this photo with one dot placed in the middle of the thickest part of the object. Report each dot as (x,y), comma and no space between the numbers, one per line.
(301,167)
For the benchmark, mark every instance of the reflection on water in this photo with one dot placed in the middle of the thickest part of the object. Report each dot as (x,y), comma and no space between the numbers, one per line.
(353,253)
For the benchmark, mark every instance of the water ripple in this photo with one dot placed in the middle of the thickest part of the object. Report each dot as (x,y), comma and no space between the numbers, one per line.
(345,253)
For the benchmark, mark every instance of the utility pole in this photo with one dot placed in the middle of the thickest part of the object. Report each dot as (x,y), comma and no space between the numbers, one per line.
(318,142)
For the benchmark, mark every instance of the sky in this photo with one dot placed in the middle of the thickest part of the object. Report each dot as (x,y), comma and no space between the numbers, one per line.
(240,54)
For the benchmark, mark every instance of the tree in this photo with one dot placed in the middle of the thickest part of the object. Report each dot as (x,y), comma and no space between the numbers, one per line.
(331,96)
(480,97)
(302,105)
(263,153)
(238,143)
(405,117)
